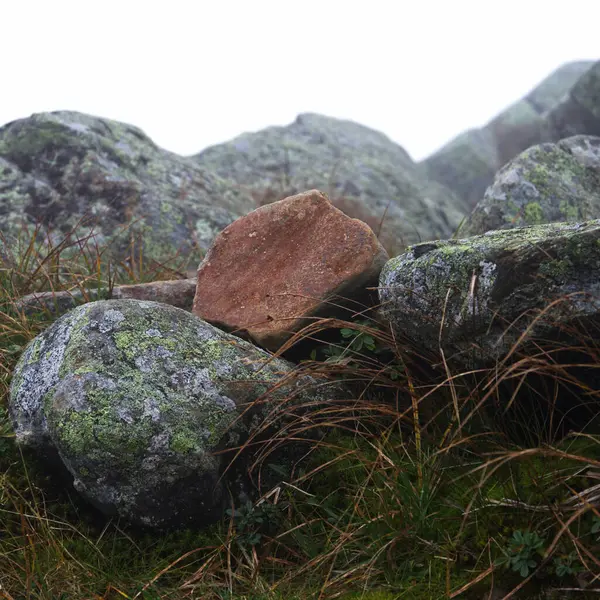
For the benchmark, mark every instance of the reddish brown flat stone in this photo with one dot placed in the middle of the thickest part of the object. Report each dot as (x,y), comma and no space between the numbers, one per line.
(270,271)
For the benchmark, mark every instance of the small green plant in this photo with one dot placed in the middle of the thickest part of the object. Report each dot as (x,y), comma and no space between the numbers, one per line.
(253,521)
(567,565)
(353,342)
(522,549)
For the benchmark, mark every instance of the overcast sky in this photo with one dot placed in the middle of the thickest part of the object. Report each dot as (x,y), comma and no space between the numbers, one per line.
(192,73)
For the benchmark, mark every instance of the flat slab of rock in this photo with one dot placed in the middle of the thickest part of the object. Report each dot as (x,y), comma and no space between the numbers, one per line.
(475,297)
(271,271)
(176,292)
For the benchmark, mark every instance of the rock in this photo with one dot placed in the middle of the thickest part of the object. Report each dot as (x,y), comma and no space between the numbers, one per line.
(61,167)
(480,286)
(176,292)
(468,163)
(363,172)
(579,111)
(273,271)
(465,165)
(138,399)
(545,184)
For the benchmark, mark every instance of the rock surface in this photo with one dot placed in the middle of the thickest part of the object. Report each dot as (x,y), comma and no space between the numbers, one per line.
(177,292)
(475,290)
(545,184)
(468,163)
(363,172)
(60,167)
(579,110)
(271,272)
(138,398)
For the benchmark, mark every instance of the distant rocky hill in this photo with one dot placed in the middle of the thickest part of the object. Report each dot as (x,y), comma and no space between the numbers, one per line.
(566,103)
(364,173)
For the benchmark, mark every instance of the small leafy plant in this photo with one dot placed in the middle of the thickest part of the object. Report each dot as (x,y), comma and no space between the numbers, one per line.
(567,565)
(522,549)
(253,521)
(353,342)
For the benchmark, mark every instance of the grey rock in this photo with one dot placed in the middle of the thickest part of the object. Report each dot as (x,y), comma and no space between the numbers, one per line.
(579,111)
(474,297)
(62,168)
(139,399)
(365,174)
(468,163)
(545,184)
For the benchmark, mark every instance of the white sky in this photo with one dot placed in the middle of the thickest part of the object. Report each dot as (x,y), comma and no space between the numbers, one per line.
(192,73)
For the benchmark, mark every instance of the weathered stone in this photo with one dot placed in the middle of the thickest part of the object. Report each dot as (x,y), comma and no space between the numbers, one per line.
(476,296)
(468,163)
(273,271)
(139,399)
(579,110)
(364,173)
(177,292)
(545,184)
(63,167)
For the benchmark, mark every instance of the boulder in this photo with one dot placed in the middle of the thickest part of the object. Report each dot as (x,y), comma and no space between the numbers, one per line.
(579,111)
(271,272)
(364,173)
(140,400)
(474,297)
(465,165)
(62,167)
(468,163)
(545,184)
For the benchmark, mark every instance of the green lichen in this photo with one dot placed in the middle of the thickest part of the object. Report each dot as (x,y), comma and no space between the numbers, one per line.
(534,215)
(557,269)
(568,211)
(183,441)
(468,289)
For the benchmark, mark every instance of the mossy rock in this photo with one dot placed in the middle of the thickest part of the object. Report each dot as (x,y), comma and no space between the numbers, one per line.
(67,170)
(547,183)
(475,297)
(141,401)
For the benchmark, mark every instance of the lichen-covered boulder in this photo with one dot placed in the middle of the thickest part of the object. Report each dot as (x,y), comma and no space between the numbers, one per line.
(468,163)
(364,173)
(139,399)
(547,183)
(474,297)
(61,167)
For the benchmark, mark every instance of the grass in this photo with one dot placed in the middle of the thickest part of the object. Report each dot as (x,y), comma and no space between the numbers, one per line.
(428,484)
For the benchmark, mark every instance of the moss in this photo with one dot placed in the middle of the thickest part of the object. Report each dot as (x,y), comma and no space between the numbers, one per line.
(568,211)
(534,214)
(558,269)
(183,441)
